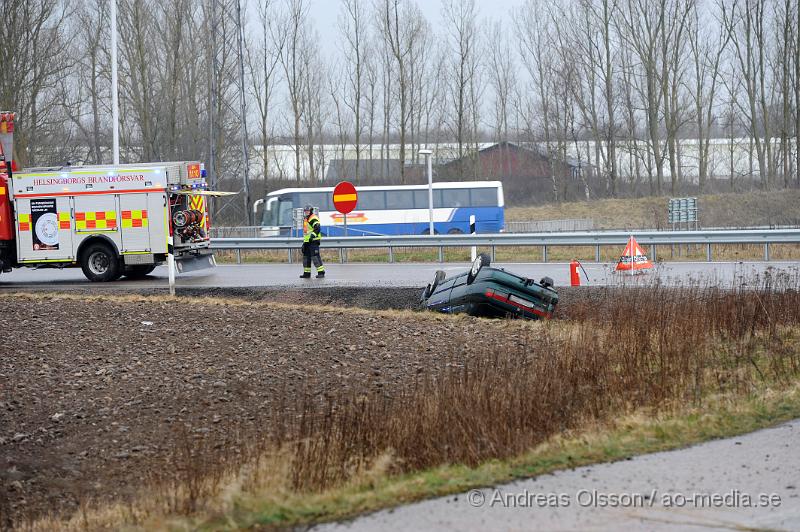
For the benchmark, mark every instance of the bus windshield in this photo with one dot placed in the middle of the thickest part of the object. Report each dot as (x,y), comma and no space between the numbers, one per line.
(278,212)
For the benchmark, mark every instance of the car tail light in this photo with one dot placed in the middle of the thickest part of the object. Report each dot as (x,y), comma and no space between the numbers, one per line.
(502,296)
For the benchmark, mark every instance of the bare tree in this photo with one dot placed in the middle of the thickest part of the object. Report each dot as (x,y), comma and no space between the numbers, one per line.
(141,65)
(630,115)
(418,80)
(593,48)
(707,50)
(641,24)
(747,23)
(796,54)
(34,56)
(292,32)
(400,23)
(673,65)
(215,70)
(353,27)
(313,99)
(537,55)
(787,14)
(335,89)
(90,73)
(263,59)
(503,80)
(460,17)
(371,76)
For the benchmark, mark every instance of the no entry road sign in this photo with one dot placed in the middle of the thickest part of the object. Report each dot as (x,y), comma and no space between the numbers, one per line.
(345,197)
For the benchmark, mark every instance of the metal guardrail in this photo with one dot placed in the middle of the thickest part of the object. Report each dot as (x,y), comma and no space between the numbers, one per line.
(597,239)
(250,231)
(538,226)
(542,226)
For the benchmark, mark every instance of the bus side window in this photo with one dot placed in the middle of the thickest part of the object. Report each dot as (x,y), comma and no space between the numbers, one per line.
(456,197)
(320,200)
(399,199)
(484,197)
(421,199)
(371,200)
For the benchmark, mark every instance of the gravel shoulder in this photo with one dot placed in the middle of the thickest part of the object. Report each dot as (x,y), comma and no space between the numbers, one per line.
(630,495)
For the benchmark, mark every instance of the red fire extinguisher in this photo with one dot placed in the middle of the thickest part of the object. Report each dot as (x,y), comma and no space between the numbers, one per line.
(574,276)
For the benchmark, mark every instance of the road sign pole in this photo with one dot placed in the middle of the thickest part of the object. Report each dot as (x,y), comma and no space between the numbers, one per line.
(430,196)
(171,273)
(428,159)
(345,199)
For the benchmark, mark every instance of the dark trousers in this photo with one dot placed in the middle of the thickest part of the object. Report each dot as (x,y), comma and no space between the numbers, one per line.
(311,254)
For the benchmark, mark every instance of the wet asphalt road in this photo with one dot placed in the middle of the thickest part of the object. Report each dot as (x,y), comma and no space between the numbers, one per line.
(397,275)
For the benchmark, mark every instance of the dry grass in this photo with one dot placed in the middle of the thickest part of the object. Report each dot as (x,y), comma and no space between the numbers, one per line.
(652,352)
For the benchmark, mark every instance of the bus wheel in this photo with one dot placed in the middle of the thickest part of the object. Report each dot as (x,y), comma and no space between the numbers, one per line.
(100,263)
(455,231)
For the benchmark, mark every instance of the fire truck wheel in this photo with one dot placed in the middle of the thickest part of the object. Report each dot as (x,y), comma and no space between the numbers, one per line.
(138,271)
(100,264)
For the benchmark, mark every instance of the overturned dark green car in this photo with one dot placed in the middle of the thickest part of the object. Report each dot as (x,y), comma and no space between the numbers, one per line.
(491,292)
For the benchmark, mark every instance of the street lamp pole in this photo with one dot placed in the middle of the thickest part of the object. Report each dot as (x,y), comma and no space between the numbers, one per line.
(114,90)
(428,159)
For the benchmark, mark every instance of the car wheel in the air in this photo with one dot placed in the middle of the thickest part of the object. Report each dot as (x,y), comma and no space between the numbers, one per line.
(480,261)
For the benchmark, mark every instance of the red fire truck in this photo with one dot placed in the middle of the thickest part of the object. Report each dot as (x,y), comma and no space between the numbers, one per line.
(111,220)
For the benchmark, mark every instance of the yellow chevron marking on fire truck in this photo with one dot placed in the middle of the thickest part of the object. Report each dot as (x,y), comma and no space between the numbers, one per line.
(198,203)
(24,221)
(134,218)
(96,221)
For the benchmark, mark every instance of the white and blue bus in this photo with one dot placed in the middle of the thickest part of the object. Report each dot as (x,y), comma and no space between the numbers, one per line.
(393,209)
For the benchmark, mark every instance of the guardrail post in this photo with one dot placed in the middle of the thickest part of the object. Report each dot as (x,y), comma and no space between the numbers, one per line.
(709,257)
(391,255)
(290,255)
(441,254)
(494,252)
(544,253)
(654,252)
(766,251)
(238,256)
(597,253)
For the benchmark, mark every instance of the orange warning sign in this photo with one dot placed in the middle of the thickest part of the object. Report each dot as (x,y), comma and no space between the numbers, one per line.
(633,258)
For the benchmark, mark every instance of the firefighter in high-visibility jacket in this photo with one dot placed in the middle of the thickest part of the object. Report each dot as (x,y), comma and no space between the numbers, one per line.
(311,239)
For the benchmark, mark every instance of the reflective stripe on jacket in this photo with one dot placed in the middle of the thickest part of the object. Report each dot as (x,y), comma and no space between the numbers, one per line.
(313,235)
